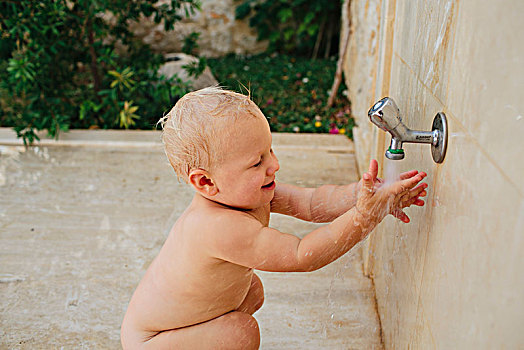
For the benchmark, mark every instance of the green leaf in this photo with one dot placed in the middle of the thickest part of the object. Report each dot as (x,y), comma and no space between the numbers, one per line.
(312,30)
(243,10)
(114,73)
(309,17)
(288,34)
(285,14)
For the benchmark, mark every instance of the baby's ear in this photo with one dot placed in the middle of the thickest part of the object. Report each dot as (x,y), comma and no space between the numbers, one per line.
(202,182)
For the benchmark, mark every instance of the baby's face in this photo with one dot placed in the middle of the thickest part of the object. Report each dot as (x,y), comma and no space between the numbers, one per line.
(245,177)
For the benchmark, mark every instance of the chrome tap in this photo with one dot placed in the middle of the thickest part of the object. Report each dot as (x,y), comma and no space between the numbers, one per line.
(386,115)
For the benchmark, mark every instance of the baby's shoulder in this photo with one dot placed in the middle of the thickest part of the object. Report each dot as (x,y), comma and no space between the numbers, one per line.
(219,221)
(226,230)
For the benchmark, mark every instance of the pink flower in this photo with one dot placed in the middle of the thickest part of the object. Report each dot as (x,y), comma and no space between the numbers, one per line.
(269,101)
(333,130)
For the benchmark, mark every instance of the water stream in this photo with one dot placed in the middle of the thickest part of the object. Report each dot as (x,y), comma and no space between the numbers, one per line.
(391,171)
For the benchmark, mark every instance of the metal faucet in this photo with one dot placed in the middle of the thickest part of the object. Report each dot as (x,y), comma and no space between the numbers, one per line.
(386,115)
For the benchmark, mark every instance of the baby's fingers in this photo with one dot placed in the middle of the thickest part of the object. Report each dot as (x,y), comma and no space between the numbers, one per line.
(412,181)
(408,174)
(367,183)
(414,201)
(419,191)
(399,214)
(412,197)
(373,168)
(418,202)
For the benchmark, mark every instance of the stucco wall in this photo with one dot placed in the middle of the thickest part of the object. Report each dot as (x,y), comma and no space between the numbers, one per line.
(452,278)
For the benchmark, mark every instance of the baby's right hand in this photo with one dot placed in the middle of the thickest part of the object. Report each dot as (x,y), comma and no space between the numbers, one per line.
(374,203)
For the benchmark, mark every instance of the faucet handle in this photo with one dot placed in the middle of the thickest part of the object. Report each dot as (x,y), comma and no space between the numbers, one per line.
(385,114)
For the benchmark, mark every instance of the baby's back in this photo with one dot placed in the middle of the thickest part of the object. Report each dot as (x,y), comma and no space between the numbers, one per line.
(185,284)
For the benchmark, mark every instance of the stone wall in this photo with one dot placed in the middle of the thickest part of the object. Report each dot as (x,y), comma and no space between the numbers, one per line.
(220,32)
(452,278)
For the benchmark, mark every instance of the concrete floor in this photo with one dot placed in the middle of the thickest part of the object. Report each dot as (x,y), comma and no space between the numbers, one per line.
(81,219)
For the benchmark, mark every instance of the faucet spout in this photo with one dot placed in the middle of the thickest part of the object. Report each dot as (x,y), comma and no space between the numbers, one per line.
(395,151)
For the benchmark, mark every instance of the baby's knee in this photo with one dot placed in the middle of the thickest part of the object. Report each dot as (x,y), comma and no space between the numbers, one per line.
(248,332)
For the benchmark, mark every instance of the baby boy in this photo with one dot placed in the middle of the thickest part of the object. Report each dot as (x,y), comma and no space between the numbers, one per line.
(201,291)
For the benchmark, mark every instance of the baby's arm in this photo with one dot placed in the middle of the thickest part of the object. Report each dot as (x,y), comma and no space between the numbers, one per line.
(322,204)
(325,203)
(247,243)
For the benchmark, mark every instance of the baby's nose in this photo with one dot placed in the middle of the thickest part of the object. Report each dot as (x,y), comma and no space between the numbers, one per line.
(274,167)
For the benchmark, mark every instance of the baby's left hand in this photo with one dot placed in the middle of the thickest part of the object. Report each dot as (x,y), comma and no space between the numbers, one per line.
(415,193)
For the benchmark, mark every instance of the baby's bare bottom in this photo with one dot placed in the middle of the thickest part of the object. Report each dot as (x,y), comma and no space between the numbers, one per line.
(235,330)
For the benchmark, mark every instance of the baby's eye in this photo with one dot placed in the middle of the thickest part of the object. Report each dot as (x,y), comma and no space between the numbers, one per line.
(258,164)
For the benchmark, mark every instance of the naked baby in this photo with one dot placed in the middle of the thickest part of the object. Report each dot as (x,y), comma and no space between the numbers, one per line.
(201,291)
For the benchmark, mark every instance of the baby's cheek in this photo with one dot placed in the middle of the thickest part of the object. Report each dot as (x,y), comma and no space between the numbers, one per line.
(257,181)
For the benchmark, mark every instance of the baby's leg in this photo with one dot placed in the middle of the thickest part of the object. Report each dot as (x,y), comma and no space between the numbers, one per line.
(254,298)
(234,330)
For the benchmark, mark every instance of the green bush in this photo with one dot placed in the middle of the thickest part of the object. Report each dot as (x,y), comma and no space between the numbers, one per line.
(60,67)
(291,91)
(298,27)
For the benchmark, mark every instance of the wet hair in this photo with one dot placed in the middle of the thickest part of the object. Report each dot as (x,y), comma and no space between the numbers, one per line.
(196,128)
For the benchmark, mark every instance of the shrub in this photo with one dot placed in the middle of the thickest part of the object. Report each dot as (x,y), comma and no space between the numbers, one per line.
(302,27)
(291,91)
(60,67)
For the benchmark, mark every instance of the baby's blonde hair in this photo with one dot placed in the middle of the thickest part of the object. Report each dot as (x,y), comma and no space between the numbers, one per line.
(194,131)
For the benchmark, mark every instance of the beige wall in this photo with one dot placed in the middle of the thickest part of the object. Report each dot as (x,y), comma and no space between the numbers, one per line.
(453,278)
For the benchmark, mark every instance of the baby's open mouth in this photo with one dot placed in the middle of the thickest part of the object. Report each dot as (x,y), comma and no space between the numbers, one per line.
(269,185)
